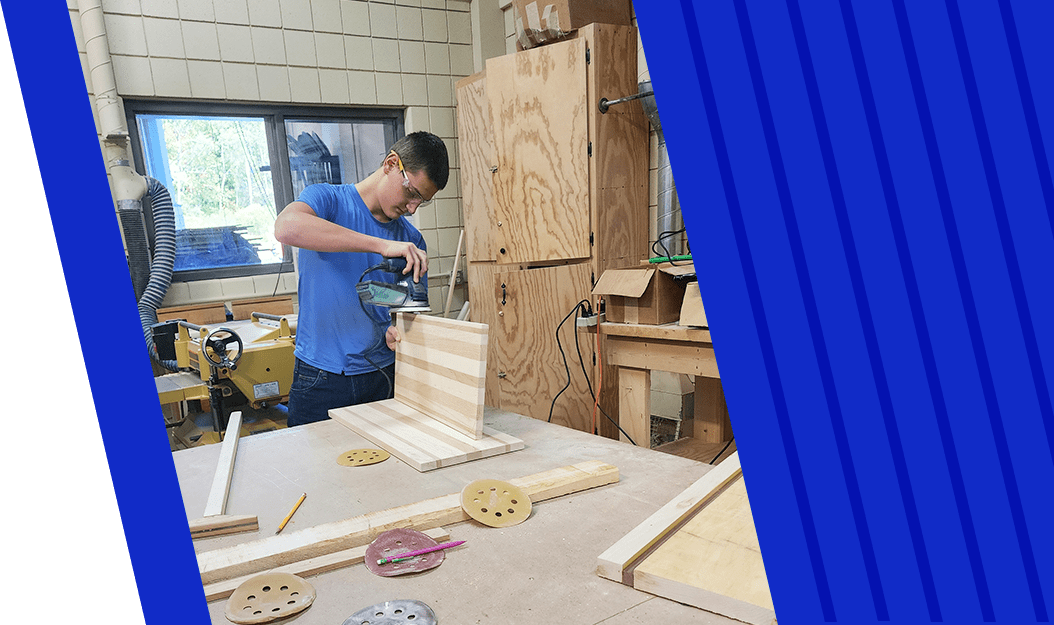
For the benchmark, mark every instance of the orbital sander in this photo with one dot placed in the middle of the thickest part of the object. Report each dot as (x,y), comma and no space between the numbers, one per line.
(402,296)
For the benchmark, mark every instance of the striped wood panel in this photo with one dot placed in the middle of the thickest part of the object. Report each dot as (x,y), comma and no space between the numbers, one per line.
(441,368)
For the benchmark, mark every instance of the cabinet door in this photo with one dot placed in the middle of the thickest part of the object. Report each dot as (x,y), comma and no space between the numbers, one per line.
(529,305)
(539,109)
(476,154)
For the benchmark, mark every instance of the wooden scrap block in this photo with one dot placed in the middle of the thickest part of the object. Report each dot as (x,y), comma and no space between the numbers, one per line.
(243,308)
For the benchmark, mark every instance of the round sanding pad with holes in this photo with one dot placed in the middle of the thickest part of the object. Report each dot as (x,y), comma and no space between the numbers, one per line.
(362,457)
(495,503)
(267,597)
(401,540)
(400,612)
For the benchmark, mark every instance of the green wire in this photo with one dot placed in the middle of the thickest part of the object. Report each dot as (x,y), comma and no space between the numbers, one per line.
(668,259)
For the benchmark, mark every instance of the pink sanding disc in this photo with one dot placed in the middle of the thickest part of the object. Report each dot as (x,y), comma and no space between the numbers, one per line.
(397,541)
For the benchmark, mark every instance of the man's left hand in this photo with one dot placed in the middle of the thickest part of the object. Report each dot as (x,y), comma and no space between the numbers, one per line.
(392,337)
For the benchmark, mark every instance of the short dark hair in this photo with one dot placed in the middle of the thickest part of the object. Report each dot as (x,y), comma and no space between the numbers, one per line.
(424,151)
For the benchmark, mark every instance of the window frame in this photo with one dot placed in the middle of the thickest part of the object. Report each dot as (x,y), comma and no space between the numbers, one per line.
(274,116)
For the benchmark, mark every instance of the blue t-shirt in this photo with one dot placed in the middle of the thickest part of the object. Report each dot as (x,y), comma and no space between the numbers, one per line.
(332,331)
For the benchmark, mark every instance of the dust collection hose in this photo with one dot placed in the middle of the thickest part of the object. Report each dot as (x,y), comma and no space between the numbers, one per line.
(161,267)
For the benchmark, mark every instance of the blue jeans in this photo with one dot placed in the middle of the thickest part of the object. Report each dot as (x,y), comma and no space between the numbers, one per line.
(315,392)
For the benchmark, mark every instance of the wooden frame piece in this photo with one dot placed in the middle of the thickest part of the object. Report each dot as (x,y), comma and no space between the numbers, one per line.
(284,549)
(713,562)
(215,522)
(617,562)
(311,566)
(699,549)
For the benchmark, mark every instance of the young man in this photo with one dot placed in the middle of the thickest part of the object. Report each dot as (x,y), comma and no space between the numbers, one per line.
(341,231)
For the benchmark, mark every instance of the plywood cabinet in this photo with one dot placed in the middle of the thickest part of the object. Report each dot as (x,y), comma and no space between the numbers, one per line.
(541,153)
(554,192)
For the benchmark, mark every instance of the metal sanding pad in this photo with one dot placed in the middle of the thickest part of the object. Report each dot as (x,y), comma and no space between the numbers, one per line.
(400,612)
(362,457)
(268,597)
(401,540)
(495,503)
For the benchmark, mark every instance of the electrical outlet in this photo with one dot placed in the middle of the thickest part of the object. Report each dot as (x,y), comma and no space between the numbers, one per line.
(588,322)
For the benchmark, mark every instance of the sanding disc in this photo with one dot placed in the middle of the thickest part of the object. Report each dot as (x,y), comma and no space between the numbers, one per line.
(400,612)
(496,503)
(362,457)
(397,541)
(267,597)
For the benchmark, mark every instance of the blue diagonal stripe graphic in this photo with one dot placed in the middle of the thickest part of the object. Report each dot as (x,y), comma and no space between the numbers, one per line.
(994,411)
(1028,105)
(760,320)
(817,335)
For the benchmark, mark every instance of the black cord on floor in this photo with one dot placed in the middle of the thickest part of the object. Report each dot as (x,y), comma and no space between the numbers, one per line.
(723,449)
(567,369)
(581,305)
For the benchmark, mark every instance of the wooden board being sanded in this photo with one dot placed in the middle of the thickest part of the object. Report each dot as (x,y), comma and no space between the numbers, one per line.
(436,416)
(440,368)
(284,549)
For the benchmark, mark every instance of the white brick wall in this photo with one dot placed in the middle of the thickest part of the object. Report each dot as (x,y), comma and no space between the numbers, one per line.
(397,53)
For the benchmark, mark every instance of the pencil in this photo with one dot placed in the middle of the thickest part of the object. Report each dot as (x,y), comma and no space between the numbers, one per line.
(290,515)
(419,552)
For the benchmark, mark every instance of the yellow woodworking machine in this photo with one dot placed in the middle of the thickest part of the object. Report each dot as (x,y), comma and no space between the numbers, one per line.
(252,356)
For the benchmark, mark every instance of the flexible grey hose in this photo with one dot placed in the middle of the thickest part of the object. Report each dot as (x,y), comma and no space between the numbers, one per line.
(161,267)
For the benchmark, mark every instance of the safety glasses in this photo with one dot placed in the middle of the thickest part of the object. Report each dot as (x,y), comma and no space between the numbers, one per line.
(412,194)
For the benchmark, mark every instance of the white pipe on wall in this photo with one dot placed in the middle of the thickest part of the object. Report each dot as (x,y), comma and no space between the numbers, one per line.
(127,184)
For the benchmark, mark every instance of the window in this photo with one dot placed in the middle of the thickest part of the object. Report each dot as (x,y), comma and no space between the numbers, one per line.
(221,165)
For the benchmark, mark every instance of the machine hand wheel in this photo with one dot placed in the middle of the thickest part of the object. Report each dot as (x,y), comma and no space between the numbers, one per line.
(218,342)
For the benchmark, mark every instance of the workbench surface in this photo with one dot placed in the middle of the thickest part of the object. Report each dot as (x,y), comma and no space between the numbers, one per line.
(540,571)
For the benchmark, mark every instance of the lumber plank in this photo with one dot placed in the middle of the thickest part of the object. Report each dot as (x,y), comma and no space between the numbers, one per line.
(220,524)
(712,422)
(690,358)
(713,562)
(441,368)
(311,566)
(418,439)
(284,549)
(664,332)
(221,482)
(634,400)
(615,563)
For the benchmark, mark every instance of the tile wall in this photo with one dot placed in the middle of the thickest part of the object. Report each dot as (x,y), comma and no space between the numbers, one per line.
(397,53)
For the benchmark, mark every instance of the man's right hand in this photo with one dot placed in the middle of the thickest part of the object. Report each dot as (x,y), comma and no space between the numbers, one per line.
(416,258)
